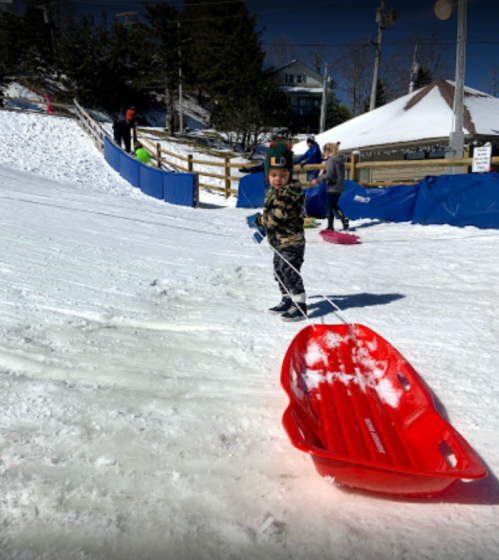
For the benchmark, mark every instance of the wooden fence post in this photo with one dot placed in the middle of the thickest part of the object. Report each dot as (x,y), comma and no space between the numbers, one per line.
(466,154)
(158,155)
(227,177)
(190,165)
(354,172)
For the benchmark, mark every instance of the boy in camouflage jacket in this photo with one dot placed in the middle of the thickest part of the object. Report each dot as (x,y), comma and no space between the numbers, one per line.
(282,220)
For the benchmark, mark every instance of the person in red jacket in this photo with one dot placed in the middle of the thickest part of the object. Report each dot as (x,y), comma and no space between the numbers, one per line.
(130,116)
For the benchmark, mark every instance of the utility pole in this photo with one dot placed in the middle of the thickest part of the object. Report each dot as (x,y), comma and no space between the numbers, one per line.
(322,126)
(180,100)
(414,69)
(443,10)
(457,134)
(383,20)
(127,15)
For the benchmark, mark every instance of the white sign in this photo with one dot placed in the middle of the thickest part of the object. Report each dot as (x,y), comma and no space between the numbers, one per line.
(481,159)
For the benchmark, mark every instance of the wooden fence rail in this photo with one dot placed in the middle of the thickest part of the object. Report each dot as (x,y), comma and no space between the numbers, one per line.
(353,167)
(91,126)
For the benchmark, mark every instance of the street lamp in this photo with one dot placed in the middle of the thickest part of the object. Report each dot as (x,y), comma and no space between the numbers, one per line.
(443,9)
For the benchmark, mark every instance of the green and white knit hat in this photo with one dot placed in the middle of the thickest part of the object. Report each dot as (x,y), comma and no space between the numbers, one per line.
(279,156)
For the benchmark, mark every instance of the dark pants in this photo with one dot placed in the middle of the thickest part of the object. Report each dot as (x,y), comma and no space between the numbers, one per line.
(290,282)
(127,140)
(117,139)
(332,207)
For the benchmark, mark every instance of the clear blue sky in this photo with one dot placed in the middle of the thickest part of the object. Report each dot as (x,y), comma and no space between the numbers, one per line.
(340,21)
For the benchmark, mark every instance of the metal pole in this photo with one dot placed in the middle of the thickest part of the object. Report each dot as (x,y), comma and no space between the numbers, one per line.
(380,17)
(180,108)
(460,67)
(456,140)
(322,126)
(414,69)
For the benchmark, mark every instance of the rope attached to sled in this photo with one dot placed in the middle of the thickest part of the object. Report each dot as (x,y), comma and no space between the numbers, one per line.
(341,314)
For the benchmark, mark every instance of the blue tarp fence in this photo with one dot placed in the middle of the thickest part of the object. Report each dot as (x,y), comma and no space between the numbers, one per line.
(251,192)
(458,200)
(175,188)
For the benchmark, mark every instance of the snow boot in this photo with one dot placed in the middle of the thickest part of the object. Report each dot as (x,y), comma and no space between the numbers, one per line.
(297,312)
(346,224)
(281,307)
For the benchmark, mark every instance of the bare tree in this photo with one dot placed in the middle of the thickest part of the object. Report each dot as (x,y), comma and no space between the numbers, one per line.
(434,59)
(491,83)
(281,51)
(354,73)
(318,54)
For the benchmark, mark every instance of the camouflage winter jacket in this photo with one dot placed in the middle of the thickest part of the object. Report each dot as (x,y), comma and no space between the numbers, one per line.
(282,216)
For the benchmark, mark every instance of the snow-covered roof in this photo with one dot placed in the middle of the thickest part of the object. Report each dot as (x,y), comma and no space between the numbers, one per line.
(296,62)
(423,115)
(301,89)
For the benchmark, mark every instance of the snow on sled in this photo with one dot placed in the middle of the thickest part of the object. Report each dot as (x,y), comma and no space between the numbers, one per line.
(366,417)
(339,238)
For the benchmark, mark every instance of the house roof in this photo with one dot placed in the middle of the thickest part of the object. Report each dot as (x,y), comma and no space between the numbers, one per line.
(425,115)
(318,75)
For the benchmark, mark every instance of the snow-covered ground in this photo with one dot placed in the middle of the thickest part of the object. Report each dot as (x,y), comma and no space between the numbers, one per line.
(140,403)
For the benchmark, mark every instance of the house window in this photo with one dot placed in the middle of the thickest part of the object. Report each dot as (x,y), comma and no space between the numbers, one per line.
(305,106)
(291,78)
(299,78)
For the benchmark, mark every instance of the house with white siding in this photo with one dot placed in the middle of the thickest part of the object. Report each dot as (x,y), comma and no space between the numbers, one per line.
(303,86)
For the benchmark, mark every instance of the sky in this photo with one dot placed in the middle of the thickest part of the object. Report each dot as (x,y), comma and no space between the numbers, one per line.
(335,22)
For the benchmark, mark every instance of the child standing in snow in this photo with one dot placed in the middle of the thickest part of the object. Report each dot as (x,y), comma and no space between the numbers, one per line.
(282,221)
(334,177)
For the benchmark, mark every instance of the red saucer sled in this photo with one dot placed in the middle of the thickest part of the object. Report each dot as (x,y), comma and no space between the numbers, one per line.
(366,417)
(339,238)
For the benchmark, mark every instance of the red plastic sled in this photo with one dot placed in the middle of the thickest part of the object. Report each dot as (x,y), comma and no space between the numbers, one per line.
(339,238)
(366,417)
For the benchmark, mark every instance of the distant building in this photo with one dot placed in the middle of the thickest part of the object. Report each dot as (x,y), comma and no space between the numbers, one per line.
(9,6)
(303,86)
(415,127)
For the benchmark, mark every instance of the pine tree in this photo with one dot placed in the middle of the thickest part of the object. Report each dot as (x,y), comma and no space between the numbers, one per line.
(36,48)
(335,112)
(160,58)
(227,59)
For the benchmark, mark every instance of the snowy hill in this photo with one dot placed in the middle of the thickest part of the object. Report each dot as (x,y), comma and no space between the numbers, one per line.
(140,411)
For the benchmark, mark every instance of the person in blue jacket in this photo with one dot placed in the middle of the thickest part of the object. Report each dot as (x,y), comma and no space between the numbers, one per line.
(312,155)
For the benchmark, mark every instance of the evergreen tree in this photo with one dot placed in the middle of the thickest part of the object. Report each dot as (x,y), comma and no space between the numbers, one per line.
(380,97)
(335,112)
(11,43)
(36,48)
(423,78)
(227,59)
(225,49)
(160,57)
(84,60)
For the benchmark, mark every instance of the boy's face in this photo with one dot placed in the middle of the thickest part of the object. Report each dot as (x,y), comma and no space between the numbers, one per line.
(278,178)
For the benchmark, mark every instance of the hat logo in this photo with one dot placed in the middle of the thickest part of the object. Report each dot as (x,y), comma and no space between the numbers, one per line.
(282,162)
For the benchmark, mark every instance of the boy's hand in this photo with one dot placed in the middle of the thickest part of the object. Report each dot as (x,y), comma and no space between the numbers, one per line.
(259,235)
(251,220)
(314,181)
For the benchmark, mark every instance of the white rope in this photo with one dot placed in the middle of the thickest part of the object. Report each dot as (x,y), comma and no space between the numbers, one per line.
(342,315)
(307,318)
